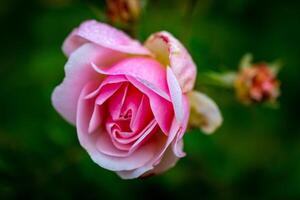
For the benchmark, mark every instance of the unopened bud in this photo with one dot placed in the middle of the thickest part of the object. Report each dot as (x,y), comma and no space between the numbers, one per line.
(257,83)
(123,11)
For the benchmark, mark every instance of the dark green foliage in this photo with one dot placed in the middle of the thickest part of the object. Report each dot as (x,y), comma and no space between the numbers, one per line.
(254,155)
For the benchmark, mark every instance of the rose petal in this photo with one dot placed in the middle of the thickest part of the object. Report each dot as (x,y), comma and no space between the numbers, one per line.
(137,135)
(103,35)
(145,70)
(96,118)
(107,81)
(170,52)
(78,72)
(168,161)
(115,104)
(132,101)
(142,116)
(85,111)
(176,94)
(106,92)
(105,146)
(113,129)
(205,114)
(143,138)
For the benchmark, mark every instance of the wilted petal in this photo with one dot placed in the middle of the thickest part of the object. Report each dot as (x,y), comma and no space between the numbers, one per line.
(205,114)
(170,52)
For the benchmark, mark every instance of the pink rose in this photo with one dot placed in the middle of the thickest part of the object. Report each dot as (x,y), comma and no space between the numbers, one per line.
(129,102)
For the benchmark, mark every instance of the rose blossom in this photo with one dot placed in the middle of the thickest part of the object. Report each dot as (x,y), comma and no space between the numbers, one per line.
(130,103)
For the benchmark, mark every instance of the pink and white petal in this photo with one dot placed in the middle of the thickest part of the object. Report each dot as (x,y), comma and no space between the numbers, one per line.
(205,113)
(96,119)
(147,87)
(145,70)
(115,104)
(103,35)
(123,147)
(149,131)
(106,92)
(142,116)
(170,52)
(176,95)
(132,174)
(138,136)
(72,42)
(107,81)
(78,72)
(132,101)
(105,146)
(85,111)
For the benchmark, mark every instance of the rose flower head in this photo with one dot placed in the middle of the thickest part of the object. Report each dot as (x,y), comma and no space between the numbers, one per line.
(130,102)
(257,82)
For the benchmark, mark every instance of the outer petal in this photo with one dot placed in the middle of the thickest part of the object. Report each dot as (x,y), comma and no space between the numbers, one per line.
(168,161)
(205,114)
(103,35)
(145,70)
(78,72)
(169,51)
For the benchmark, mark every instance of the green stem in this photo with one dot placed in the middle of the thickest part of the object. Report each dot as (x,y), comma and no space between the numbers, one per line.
(223,80)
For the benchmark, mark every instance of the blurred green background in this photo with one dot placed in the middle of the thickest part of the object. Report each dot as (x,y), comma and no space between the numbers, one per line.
(254,155)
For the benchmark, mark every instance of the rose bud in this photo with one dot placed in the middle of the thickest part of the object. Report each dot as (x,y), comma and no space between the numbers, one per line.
(257,82)
(123,11)
(130,103)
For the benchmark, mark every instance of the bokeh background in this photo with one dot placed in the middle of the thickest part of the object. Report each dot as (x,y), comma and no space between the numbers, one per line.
(254,155)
